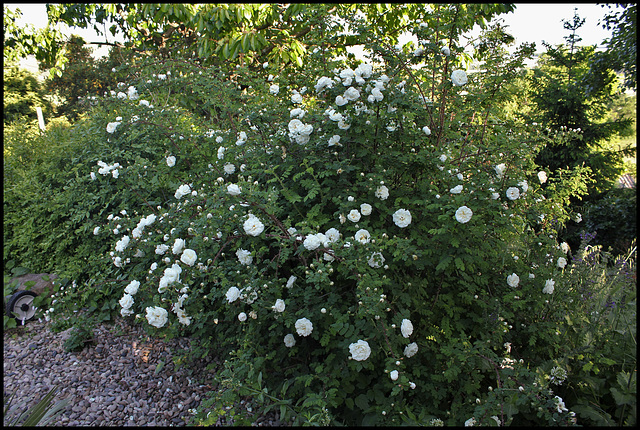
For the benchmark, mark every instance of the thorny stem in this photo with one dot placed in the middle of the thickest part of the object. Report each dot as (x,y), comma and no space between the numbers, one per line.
(495,366)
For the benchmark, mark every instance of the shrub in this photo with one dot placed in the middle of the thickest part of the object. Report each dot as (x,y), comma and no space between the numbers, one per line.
(365,236)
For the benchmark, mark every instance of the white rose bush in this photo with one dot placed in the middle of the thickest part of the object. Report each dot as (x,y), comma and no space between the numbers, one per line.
(344,254)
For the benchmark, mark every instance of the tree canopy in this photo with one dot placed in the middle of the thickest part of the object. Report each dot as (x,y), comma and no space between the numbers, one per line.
(246,33)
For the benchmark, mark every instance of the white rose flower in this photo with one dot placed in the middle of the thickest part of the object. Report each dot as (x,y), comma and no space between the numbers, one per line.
(234,190)
(456,190)
(365,209)
(443,158)
(111,127)
(296,98)
(513,280)
(393,375)
(500,168)
(274,89)
(122,244)
(376,260)
(335,116)
(304,327)
(463,214)
(354,215)
(253,226)
(343,125)
(564,246)
(459,78)
(562,262)
(542,176)
(289,341)
(242,316)
(132,288)
(232,294)
(382,192)
(335,139)
(426,131)
(171,161)
(182,191)
(126,301)
(177,246)
(360,350)
(189,257)
(411,350)
(297,112)
(402,218)
(291,280)
(548,286)
(161,249)
(351,94)
(376,96)
(524,185)
(312,242)
(513,193)
(157,316)
(244,256)
(229,168)
(446,51)
(323,83)
(333,235)
(341,101)
(406,327)
(279,306)
(362,236)
(171,275)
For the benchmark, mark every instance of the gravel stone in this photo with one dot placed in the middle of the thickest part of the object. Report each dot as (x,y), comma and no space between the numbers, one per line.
(112,382)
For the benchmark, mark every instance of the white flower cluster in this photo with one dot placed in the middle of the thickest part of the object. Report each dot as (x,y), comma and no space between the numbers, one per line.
(182,191)
(548,286)
(126,302)
(299,131)
(148,220)
(105,169)
(170,276)
(242,138)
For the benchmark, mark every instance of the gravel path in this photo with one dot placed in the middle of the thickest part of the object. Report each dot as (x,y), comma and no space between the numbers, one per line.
(114,382)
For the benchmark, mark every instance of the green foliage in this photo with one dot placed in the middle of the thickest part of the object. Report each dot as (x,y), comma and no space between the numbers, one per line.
(20,42)
(252,34)
(621,48)
(80,336)
(41,414)
(600,336)
(612,216)
(79,81)
(22,94)
(572,89)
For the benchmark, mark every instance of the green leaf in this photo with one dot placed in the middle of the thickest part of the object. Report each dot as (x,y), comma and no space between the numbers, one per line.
(362,402)
(159,366)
